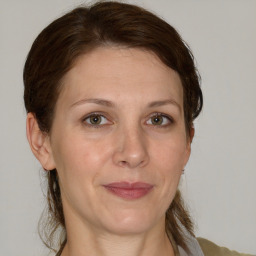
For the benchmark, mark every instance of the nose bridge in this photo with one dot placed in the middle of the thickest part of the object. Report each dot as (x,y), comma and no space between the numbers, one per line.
(131,150)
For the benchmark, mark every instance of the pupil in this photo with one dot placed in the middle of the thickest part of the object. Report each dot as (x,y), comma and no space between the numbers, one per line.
(95,119)
(157,120)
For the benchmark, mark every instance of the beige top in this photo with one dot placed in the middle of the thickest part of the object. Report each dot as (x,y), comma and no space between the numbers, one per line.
(211,249)
(200,247)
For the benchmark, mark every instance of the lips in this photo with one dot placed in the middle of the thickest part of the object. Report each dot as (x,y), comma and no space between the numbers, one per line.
(129,190)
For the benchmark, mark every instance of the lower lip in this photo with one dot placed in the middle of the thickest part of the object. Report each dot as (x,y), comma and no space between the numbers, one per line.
(129,193)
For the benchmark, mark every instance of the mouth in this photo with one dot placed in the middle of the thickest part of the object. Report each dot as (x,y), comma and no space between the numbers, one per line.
(128,190)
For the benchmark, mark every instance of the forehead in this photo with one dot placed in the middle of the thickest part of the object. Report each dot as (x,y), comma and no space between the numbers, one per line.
(122,74)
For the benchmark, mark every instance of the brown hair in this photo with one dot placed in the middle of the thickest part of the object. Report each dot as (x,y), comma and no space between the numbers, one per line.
(55,51)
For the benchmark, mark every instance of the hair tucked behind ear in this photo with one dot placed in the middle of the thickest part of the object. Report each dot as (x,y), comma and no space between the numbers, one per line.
(178,218)
(52,223)
(54,53)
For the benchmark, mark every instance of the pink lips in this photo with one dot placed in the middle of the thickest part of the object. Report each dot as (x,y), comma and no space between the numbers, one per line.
(129,190)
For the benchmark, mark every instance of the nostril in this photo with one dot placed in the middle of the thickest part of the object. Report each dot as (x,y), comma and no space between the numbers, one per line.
(123,163)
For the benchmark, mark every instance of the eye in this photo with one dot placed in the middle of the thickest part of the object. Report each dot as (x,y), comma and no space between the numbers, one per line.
(159,120)
(95,120)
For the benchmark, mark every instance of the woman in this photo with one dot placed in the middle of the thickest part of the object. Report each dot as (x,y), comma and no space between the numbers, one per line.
(111,93)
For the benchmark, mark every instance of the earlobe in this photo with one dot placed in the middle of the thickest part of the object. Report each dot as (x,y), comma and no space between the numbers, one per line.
(39,143)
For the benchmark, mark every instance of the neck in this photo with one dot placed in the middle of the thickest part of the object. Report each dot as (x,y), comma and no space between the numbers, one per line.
(90,242)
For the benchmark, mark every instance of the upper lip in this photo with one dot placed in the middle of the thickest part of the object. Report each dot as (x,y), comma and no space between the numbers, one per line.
(129,185)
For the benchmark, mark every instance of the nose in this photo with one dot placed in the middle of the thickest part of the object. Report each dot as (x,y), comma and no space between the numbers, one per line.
(131,149)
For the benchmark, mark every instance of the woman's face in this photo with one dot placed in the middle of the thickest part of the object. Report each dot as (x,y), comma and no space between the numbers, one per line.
(118,140)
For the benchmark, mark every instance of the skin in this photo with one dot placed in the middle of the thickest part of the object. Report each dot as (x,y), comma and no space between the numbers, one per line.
(132,87)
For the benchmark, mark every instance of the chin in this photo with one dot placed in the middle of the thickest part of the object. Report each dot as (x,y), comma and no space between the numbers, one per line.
(132,222)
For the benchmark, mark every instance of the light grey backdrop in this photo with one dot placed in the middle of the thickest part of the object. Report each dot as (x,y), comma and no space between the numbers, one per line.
(219,184)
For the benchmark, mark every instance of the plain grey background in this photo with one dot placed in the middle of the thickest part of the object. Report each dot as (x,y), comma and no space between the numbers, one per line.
(219,181)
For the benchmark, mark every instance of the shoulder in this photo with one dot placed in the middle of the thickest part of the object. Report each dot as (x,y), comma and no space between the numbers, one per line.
(211,249)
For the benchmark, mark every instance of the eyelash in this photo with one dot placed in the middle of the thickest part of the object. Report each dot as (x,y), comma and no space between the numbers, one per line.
(96,114)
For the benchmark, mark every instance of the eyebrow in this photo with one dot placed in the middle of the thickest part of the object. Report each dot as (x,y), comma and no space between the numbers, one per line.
(102,102)
(108,103)
(164,102)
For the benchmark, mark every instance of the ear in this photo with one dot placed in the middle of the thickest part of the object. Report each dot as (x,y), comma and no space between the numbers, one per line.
(189,141)
(191,134)
(39,143)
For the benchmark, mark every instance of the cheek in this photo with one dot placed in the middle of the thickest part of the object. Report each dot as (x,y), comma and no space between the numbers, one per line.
(80,156)
(79,163)
(171,155)
(169,161)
